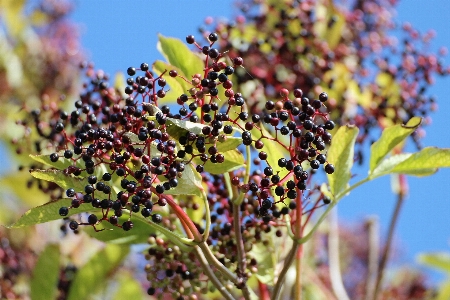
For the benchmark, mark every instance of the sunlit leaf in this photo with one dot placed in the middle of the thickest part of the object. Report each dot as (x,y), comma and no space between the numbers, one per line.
(190,183)
(113,234)
(179,55)
(177,128)
(340,154)
(439,260)
(424,160)
(49,212)
(46,287)
(94,274)
(390,138)
(61,179)
(17,183)
(177,85)
(233,161)
(388,164)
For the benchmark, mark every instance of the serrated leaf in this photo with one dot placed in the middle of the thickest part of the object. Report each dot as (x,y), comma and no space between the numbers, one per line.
(179,55)
(97,270)
(422,162)
(49,212)
(61,179)
(233,161)
(177,128)
(390,138)
(177,85)
(439,260)
(340,154)
(129,288)
(189,184)
(45,287)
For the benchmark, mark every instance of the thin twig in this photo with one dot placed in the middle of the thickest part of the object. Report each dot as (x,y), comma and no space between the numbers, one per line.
(287,264)
(333,256)
(374,252)
(242,261)
(387,248)
(209,272)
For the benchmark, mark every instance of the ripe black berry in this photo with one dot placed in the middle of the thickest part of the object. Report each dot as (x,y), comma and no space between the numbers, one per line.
(63,211)
(213,37)
(92,219)
(70,192)
(190,39)
(157,218)
(329,168)
(54,157)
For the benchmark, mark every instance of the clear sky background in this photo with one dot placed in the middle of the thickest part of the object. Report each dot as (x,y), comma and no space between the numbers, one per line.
(119,34)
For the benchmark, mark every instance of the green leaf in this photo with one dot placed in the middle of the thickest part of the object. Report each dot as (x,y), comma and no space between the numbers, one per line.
(179,55)
(229,144)
(274,150)
(45,287)
(60,164)
(16,182)
(266,263)
(177,85)
(390,138)
(233,161)
(115,235)
(61,179)
(196,215)
(177,128)
(189,184)
(93,275)
(423,161)
(388,164)
(129,288)
(341,155)
(49,212)
(140,144)
(443,292)
(439,260)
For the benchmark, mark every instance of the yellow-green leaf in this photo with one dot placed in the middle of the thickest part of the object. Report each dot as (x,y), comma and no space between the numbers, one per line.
(341,155)
(177,85)
(129,288)
(424,160)
(189,184)
(439,260)
(179,55)
(390,138)
(233,161)
(45,287)
(61,179)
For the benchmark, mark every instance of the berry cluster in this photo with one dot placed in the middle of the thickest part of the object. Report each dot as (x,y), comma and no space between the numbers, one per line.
(347,52)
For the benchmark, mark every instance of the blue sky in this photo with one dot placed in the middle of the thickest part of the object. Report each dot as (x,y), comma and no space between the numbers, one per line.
(119,34)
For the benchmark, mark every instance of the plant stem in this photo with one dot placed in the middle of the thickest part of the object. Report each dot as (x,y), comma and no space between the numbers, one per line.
(219,266)
(333,256)
(287,264)
(374,246)
(298,235)
(209,272)
(387,248)
(298,269)
(242,261)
